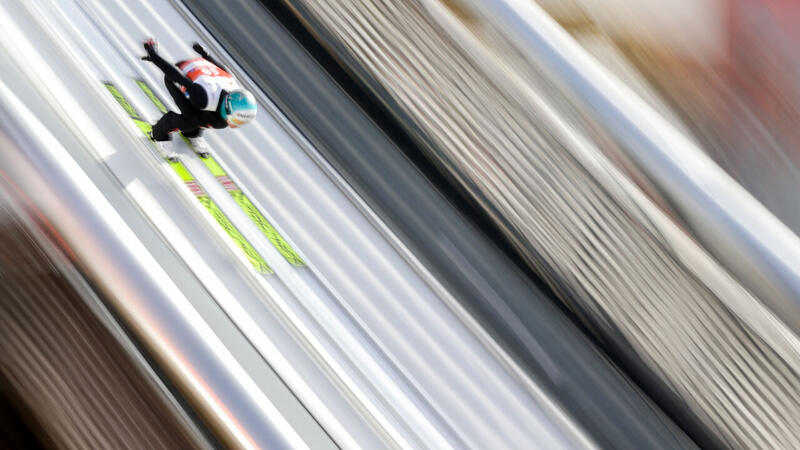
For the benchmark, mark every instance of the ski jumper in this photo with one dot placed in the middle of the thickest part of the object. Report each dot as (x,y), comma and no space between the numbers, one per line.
(197,86)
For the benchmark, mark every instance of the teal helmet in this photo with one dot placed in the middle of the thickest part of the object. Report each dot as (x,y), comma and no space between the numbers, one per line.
(238,108)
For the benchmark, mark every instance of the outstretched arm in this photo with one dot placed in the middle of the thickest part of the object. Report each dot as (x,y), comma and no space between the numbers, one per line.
(170,71)
(197,95)
(202,52)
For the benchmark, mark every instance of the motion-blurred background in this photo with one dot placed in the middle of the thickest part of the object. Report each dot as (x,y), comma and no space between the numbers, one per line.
(725,69)
(517,224)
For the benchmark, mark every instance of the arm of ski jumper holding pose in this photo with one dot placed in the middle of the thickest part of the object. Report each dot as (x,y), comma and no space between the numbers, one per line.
(197,95)
(202,52)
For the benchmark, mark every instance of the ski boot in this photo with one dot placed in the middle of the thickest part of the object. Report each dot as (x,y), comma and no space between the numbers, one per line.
(166,149)
(200,146)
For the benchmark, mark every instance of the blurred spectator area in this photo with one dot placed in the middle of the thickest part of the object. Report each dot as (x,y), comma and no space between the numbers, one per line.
(66,380)
(728,69)
(18,429)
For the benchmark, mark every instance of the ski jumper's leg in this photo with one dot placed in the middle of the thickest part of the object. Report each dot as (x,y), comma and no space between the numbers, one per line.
(188,121)
(170,72)
(197,95)
(178,96)
(168,123)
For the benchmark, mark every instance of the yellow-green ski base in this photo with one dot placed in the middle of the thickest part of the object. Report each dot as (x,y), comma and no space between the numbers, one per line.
(253,213)
(252,255)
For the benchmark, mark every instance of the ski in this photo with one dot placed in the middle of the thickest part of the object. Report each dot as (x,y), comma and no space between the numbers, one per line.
(191,183)
(244,202)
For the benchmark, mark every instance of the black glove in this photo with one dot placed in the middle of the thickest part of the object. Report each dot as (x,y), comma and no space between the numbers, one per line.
(150,46)
(199,49)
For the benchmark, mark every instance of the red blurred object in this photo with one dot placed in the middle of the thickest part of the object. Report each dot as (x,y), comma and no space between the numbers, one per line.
(764,67)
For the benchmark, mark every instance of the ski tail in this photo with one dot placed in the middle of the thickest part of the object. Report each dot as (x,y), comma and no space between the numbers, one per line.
(142,124)
(151,95)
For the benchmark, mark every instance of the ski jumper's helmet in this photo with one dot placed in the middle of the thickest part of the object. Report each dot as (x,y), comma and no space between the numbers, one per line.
(238,108)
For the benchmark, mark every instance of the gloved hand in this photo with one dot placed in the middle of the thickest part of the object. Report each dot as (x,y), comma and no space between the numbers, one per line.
(150,46)
(199,49)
